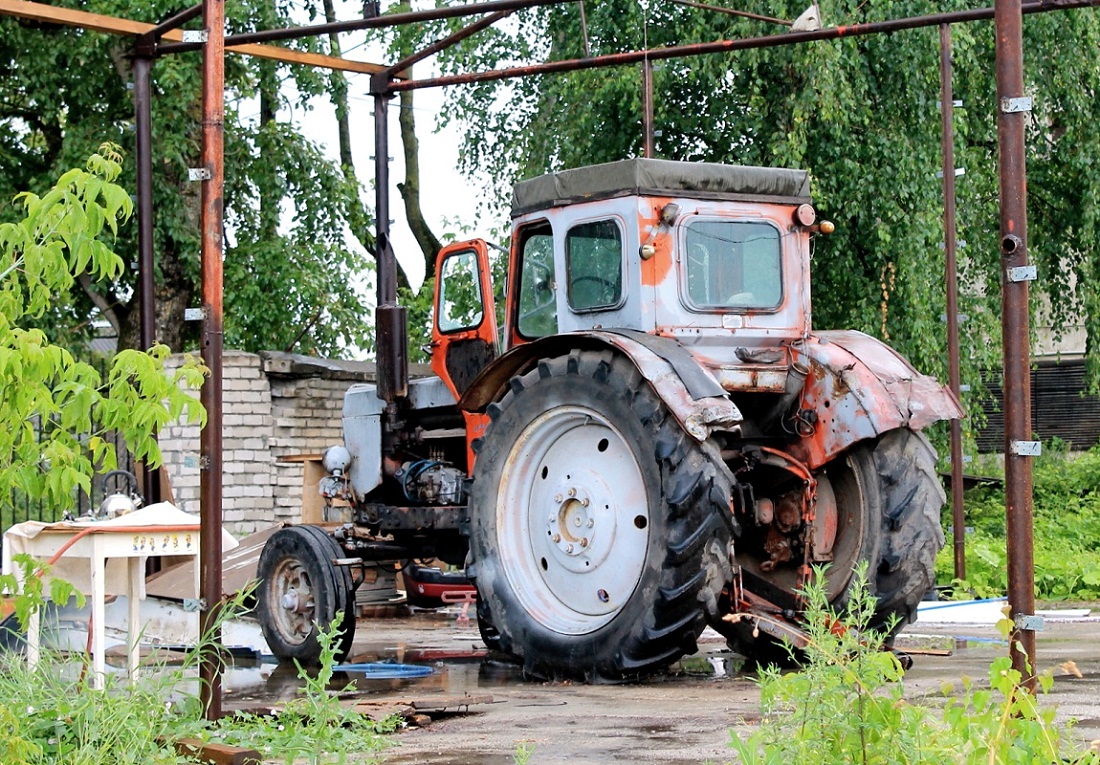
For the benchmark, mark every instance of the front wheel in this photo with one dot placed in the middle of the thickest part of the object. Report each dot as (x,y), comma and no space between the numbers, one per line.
(599,530)
(301,591)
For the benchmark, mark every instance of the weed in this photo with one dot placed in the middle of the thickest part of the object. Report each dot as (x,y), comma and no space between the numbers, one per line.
(316,726)
(846,706)
(524,751)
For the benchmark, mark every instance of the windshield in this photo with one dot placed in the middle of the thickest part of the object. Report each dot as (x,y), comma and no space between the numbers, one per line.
(733,264)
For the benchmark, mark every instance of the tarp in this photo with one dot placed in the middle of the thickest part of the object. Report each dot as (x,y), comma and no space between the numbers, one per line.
(661,177)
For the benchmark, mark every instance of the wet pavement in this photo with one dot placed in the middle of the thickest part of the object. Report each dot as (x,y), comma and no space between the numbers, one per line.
(682,717)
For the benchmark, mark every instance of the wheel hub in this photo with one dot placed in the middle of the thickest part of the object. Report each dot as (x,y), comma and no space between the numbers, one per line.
(572,528)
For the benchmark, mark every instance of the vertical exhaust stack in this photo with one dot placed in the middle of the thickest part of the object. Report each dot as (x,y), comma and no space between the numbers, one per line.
(391,322)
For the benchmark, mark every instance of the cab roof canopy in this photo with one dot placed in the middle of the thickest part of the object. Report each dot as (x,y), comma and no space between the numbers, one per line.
(661,177)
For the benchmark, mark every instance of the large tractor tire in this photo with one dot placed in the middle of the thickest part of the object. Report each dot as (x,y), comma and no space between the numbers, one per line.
(600,531)
(888,497)
(301,590)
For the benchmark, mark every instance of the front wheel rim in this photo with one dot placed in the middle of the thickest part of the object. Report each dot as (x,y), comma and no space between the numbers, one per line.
(291,601)
(573,520)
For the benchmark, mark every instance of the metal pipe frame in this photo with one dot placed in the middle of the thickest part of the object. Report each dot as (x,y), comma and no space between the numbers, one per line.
(406,63)
(374,22)
(951,280)
(210,487)
(1015,330)
(728,46)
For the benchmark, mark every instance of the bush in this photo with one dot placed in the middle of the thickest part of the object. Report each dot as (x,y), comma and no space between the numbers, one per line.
(1067,528)
(846,706)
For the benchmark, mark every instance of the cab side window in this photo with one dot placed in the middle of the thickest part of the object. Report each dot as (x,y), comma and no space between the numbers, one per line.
(594,262)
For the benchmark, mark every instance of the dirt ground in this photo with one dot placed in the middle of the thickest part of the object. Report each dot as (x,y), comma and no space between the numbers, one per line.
(683,717)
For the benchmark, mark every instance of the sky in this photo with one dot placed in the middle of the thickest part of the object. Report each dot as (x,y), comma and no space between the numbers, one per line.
(445,193)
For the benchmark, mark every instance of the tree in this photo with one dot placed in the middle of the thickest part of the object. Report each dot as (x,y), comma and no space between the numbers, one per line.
(859,113)
(291,268)
(55,411)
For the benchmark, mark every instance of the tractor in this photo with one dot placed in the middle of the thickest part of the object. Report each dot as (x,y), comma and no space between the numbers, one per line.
(655,440)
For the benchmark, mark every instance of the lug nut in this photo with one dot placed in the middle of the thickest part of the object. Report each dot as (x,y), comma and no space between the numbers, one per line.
(558,498)
(576,520)
(569,548)
(557,538)
(584,542)
(584,502)
(572,492)
(591,523)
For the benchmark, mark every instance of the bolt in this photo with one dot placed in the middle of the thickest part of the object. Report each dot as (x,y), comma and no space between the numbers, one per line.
(591,522)
(584,502)
(569,548)
(584,542)
(557,538)
(558,498)
(572,492)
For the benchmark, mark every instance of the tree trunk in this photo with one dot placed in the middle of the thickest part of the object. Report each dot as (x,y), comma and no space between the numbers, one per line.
(410,189)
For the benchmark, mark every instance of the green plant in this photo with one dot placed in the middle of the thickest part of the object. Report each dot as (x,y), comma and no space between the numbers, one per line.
(315,726)
(524,751)
(54,409)
(846,705)
(1067,524)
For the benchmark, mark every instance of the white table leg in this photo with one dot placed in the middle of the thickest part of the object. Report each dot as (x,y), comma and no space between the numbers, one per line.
(133,629)
(34,637)
(99,595)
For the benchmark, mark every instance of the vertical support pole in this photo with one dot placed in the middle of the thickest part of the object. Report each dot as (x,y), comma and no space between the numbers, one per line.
(143,120)
(950,247)
(210,488)
(1011,122)
(647,107)
(391,335)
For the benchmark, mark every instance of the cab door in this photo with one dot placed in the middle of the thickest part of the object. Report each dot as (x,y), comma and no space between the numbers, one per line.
(464,331)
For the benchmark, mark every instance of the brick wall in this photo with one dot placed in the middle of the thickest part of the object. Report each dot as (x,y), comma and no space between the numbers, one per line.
(278,408)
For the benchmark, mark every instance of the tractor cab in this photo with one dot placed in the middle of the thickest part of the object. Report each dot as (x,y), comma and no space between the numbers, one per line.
(713,256)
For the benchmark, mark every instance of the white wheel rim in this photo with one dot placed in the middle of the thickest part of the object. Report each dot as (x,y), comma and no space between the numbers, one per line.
(572,520)
(291,601)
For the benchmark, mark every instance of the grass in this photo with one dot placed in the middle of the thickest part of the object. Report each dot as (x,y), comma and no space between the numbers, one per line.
(51,715)
(1067,531)
(846,705)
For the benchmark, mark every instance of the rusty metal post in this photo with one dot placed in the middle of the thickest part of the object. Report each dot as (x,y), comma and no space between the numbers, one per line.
(647,107)
(1013,108)
(391,335)
(143,122)
(950,248)
(210,489)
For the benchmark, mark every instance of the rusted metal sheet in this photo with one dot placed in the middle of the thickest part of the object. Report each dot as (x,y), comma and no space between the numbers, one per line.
(859,388)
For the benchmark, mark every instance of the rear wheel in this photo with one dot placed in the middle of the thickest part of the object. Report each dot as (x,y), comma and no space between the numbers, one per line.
(599,529)
(300,591)
(887,499)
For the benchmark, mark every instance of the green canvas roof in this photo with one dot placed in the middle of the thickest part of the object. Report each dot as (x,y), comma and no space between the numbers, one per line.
(661,177)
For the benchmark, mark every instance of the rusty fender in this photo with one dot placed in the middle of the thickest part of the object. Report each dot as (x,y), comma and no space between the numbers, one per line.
(860,388)
(690,392)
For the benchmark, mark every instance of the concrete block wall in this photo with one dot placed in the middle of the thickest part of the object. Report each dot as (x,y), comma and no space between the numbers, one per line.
(278,409)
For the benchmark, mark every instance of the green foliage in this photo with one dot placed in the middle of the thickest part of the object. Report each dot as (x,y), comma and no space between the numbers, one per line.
(859,113)
(50,714)
(27,591)
(315,726)
(1066,522)
(846,705)
(55,411)
(296,226)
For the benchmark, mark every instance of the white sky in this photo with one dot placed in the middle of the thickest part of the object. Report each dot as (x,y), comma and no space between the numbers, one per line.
(445,193)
